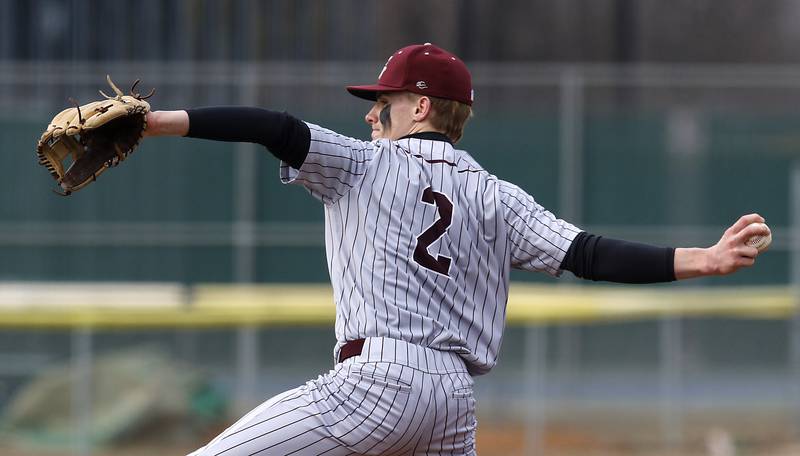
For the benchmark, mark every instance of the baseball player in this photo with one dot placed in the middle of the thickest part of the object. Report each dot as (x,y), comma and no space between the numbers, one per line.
(420,240)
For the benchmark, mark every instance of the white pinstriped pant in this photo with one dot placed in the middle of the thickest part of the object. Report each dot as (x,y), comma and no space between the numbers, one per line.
(394,399)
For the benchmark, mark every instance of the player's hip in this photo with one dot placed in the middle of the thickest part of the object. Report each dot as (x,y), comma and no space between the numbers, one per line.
(368,404)
(399,398)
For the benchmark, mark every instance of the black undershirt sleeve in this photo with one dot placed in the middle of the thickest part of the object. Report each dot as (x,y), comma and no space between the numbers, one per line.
(594,257)
(287,137)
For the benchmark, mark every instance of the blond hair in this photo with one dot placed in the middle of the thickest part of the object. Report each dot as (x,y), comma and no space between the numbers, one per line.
(449,117)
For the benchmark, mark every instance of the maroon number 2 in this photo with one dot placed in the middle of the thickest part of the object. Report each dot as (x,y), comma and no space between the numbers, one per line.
(440,264)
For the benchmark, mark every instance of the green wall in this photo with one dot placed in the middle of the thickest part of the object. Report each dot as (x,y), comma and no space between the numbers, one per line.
(630,178)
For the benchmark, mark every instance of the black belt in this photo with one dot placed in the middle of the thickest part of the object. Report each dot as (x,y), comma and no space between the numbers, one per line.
(351,348)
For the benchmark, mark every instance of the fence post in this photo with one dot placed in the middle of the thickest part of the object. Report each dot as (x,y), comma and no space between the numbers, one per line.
(671,381)
(794,326)
(535,374)
(570,165)
(244,255)
(570,182)
(81,390)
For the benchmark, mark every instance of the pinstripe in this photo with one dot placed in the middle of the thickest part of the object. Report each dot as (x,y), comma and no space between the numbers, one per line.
(349,453)
(523,220)
(430,310)
(537,209)
(397,269)
(462,184)
(330,134)
(417,268)
(542,224)
(473,321)
(412,435)
(497,291)
(300,394)
(433,420)
(377,402)
(322,439)
(361,302)
(380,424)
(347,266)
(386,255)
(346,170)
(521,261)
(266,430)
(445,423)
(340,157)
(336,438)
(433,162)
(287,439)
(374,251)
(407,252)
(308,429)
(475,282)
(397,435)
(320,184)
(337,178)
(540,210)
(451,303)
(446,239)
(458,414)
(366,207)
(341,320)
(267,420)
(472,236)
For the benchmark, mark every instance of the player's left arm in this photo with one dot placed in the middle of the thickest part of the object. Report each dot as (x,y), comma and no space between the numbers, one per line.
(167,123)
(326,163)
(285,136)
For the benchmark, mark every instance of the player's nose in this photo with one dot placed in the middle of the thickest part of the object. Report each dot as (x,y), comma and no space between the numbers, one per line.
(372,116)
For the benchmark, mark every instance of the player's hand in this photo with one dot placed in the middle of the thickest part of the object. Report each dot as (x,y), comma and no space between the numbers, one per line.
(731,252)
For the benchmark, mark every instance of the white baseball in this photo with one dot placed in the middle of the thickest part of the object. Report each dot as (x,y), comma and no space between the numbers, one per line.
(760,242)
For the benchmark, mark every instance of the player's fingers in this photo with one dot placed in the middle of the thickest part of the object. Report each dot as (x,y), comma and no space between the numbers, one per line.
(747,252)
(744,221)
(738,259)
(747,261)
(754,229)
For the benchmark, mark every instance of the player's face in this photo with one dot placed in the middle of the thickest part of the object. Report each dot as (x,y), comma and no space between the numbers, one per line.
(392,115)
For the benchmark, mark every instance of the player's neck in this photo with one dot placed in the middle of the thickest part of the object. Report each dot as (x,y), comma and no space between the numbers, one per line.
(429,135)
(422,127)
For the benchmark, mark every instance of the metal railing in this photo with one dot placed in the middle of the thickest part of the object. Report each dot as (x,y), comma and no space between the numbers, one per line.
(570,94)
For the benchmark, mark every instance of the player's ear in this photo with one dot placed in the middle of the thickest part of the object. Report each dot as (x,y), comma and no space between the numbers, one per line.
(422,108)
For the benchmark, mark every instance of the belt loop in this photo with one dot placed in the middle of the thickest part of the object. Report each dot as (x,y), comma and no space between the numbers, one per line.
(350,348)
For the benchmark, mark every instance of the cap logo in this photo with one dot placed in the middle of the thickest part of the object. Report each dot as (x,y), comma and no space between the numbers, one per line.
(384,66)
(422,85)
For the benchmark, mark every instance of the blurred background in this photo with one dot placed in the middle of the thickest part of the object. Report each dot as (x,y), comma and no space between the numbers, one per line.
(144,313)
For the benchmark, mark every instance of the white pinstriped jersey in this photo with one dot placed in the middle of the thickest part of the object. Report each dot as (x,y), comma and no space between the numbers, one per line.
(420,240)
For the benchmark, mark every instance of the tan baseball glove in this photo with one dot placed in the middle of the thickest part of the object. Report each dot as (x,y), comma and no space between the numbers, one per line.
(95,136)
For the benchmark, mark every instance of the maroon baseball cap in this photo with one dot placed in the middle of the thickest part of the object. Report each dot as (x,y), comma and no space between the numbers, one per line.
(424,69)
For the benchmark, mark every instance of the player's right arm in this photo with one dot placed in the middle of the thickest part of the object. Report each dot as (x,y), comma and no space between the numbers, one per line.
(326,163)
(599,258)
(726,256)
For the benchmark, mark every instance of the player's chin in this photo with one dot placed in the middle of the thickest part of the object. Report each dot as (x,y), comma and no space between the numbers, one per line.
(377,134)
